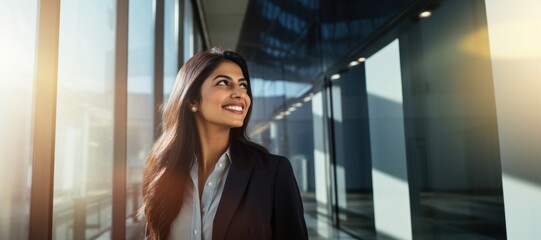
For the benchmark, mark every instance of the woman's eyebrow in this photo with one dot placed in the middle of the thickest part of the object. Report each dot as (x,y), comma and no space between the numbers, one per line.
(224,76)
(228,77)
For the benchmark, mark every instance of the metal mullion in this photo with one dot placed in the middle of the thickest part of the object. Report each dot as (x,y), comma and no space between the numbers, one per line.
(44,121)
(158,65)
(181,19)
(120,121)
(199,14)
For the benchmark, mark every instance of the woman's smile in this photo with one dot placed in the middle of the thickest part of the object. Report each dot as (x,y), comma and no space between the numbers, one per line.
(237,108)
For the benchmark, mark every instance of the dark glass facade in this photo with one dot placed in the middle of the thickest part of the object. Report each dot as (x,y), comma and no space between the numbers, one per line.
(390,119)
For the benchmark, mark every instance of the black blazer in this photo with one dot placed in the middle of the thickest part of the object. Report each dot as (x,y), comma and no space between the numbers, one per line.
(259,204)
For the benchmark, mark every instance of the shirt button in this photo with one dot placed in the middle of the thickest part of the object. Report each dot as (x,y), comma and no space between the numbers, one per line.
(195,231)
(209,184)
(220,165)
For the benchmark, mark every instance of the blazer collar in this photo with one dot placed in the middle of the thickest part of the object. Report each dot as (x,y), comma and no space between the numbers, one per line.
(235,186)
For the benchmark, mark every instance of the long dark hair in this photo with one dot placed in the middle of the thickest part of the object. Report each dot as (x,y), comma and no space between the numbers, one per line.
(167,167)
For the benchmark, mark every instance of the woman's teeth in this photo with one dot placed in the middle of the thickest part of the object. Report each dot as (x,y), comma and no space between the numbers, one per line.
(235,108)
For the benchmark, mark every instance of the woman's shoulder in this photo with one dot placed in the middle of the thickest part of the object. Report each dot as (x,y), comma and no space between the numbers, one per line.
(277,159)
(269,161)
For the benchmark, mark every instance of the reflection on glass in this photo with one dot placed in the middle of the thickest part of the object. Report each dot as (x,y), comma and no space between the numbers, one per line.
(433,142)
(451,127)
(352,154)
(84,130)
(387,141)
(170,46)
(140,109)
(17,45)
(189,36)
(514,30)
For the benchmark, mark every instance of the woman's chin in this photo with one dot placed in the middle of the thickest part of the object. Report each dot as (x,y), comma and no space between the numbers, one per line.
(236,124)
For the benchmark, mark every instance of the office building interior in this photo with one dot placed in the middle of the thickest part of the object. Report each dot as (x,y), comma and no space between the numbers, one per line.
(402,119)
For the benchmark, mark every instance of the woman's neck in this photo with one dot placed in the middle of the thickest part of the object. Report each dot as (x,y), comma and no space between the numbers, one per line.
(214,142)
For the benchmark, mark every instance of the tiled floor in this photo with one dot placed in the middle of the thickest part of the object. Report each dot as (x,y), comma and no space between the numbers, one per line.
(441,215)
(320,230)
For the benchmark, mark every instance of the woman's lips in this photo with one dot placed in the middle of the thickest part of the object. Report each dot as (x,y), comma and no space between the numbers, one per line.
(234,108)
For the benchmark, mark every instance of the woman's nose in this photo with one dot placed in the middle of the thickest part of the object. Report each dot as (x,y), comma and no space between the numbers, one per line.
(238,92)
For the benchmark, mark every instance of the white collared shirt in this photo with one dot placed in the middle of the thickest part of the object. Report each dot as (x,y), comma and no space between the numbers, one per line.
(196,216)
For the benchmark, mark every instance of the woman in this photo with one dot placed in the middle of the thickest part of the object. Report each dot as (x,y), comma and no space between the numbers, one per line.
(204,178)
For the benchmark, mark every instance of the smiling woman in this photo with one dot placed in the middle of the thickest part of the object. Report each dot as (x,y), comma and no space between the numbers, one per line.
(204,178)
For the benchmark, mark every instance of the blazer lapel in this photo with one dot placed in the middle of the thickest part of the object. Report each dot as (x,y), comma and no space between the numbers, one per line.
(235,186)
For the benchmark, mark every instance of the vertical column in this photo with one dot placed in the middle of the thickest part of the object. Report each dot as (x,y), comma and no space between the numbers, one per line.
(514,30)
(44,121)
(339,149)
(181,33)
(158,66)
(120,121)
(388,144)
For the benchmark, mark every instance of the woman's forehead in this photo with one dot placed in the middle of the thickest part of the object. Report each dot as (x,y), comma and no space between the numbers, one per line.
(228,68)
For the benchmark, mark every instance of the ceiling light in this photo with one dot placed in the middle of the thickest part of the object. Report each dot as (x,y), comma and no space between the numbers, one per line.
(425,14)
(353,63)
(298,104)
(361,59)
(335,76)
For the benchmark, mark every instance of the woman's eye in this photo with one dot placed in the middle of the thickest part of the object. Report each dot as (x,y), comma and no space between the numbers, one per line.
(244,85)
(222,83)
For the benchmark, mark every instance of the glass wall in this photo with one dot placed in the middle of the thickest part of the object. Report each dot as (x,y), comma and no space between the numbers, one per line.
(424,118)
(352,152)
(84,127)
(140,107)
(170,45)
(188,35)
(451,127)
(17,57)
(83,163)
(442,177)
(514,30)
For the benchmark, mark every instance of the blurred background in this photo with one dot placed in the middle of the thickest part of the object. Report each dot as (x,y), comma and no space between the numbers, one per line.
(403,119)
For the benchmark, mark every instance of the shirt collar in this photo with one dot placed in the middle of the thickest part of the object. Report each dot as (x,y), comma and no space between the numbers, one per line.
(226,155)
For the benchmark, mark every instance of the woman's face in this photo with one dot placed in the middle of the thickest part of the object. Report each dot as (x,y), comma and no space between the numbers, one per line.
(224,97)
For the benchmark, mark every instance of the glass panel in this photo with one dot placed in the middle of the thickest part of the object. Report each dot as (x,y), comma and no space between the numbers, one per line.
(352,153)
(387,144)
(514,30)
(170,46)
(140,107)
(198,35)
(189,39)
(451,128)
(17,57)
(84,130)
